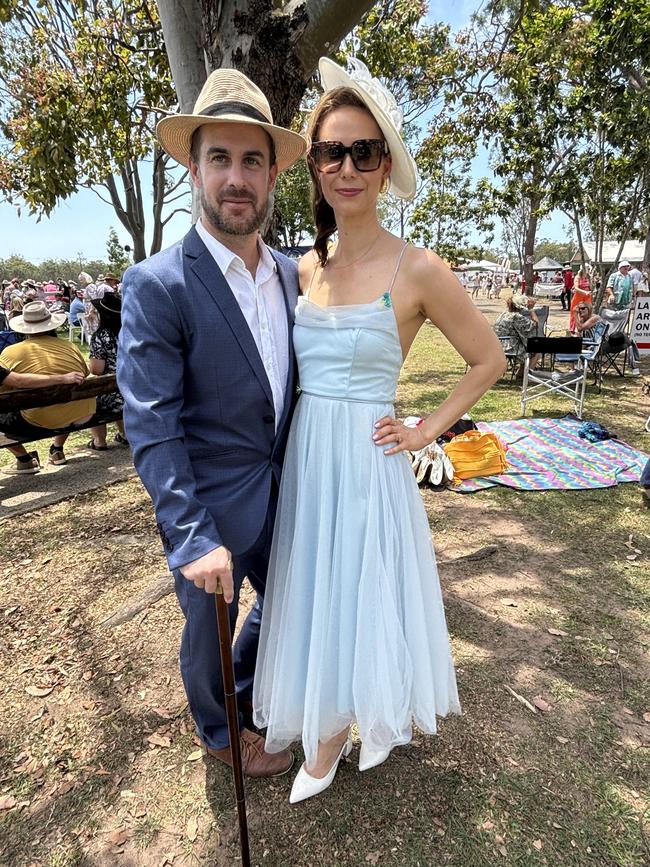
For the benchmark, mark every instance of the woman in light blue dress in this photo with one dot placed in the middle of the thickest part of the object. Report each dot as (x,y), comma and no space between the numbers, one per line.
(353,630)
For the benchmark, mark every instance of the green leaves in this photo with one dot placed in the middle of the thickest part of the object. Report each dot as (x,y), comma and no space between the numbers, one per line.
(75,79)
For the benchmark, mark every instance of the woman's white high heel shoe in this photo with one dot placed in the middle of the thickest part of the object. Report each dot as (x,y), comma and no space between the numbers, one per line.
(371,758)
(305,786)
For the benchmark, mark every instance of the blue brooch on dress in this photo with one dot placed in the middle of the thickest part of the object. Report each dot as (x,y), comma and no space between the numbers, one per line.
(385,301)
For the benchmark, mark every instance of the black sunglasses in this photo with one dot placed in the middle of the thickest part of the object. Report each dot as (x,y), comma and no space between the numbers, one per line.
(366,154)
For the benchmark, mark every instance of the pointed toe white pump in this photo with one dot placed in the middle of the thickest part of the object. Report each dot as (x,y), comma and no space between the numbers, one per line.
(305,786)
(371,758)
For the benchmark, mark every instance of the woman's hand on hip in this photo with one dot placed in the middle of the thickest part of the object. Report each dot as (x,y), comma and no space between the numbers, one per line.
(212,569)
(389,431)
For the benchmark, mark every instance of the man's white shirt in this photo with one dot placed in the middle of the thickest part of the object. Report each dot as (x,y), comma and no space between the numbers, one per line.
(261,300)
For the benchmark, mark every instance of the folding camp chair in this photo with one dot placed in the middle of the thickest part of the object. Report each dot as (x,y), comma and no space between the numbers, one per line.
(570,384)
(509,344)
(618,340)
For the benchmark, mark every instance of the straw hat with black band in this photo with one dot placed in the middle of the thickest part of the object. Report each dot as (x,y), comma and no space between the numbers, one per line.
(228,97)
(36,319)
(382,106)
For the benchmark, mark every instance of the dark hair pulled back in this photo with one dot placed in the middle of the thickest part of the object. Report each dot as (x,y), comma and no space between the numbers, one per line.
(322,211)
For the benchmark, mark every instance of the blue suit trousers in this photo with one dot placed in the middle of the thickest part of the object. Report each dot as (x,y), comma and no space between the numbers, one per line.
(200,660)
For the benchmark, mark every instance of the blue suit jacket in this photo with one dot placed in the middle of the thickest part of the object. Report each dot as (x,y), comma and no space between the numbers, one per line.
(198,406)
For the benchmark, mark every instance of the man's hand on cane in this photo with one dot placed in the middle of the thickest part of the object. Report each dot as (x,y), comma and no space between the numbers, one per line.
(208,571)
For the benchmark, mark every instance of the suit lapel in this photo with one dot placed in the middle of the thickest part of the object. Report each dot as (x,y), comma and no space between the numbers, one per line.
(205,269)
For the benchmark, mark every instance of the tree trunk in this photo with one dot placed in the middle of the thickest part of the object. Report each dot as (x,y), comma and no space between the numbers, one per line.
(645,267)
(182,29)
(276,44)
(529,245)
(576,221)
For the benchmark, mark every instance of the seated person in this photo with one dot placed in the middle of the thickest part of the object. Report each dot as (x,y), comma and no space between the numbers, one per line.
(581,293)
(585,320)
(517,323)
(59,305)
(103,359)
(77,307)
(42,353)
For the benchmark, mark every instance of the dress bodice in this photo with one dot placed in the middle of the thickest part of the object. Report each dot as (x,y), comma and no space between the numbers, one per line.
(348,352)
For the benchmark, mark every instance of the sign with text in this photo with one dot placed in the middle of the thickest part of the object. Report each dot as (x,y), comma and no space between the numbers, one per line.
(641,325)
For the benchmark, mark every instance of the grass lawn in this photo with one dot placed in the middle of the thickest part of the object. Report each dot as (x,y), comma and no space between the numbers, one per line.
(98,763)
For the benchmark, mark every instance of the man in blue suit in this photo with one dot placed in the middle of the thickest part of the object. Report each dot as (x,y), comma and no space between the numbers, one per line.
(207,373)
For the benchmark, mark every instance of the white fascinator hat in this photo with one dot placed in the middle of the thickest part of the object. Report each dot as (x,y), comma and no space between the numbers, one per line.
(382,105)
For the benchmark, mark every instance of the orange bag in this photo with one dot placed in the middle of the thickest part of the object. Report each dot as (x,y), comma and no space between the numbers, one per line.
(476,453)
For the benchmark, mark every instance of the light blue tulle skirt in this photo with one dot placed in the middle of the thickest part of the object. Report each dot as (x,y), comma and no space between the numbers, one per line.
(353,629)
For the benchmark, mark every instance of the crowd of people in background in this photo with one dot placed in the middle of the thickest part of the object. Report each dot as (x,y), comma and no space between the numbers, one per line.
(35,353)
(72,297)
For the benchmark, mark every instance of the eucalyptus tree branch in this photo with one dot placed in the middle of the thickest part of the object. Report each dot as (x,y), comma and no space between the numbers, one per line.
(326,23)
(182,195)
(93,187)
(174,212)
(181,180)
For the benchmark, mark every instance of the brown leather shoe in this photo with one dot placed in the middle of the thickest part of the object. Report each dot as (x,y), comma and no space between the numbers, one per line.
(256,762)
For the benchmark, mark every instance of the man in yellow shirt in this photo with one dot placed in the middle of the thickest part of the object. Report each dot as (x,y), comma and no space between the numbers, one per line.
(43,352)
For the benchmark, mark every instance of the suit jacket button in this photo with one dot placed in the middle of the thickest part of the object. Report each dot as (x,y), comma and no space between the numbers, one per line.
(269,419)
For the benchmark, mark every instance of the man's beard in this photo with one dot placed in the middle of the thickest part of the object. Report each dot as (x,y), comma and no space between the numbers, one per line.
(243,225)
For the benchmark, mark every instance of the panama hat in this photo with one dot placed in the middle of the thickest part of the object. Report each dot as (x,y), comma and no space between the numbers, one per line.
(228,97)
(36,318)
(382,106)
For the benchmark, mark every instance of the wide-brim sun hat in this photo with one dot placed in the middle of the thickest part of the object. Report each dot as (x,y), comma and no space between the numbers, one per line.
(228,97)
(519,301)
(36,318)
(383,107)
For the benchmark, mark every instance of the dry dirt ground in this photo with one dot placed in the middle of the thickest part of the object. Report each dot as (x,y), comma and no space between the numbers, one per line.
(98,762)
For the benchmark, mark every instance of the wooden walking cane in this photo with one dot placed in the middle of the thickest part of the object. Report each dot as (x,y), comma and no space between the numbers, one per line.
(225,649)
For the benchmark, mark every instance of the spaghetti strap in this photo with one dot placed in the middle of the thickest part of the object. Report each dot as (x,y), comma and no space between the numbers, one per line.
(399,262)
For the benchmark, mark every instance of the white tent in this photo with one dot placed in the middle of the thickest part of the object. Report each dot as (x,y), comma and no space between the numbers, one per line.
(547,264)
(632,251)
(482,265)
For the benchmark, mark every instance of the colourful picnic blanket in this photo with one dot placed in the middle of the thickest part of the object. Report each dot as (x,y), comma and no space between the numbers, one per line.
(547,454)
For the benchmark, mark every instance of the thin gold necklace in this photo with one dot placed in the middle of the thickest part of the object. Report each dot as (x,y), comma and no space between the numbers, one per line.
(358,259)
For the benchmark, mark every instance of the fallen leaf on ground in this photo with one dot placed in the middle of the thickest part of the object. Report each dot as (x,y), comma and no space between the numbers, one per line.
(195,756)
(7,802)
(562,740)
(557,632)
(38,691)
(192,828)
(537,844)
(541,704)
(487,826)
(628,711)
(373,857)
(158,741)
(118,837)
(508,601)
(646,717)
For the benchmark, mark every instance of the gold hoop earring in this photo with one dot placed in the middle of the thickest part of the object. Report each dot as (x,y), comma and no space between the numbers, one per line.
(385,184)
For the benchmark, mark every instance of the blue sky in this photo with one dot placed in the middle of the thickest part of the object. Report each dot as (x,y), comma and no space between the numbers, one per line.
(79,226)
